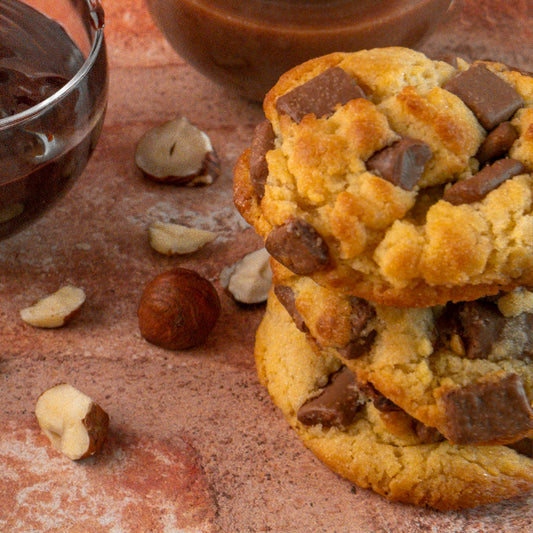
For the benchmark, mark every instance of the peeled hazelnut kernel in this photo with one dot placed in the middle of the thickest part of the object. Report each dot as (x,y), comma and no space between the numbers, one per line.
(178,309)
(172,239)
(55,310)
(457,344)
(516,302)
(177,152)
(75,425)
(250,279)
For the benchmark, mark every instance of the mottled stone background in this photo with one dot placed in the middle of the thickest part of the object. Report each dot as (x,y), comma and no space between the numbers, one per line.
(195,443)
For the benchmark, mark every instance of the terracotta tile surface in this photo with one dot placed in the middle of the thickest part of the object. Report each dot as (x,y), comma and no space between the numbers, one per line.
(195,443)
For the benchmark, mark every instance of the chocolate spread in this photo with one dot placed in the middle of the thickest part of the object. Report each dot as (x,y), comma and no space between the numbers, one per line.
(40,157)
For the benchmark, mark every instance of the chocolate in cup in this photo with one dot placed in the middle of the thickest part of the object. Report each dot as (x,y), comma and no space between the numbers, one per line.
(53,95)
(247,45)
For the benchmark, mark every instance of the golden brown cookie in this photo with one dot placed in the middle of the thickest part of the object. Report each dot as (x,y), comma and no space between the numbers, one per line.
(465,369)
(386,175)
(346,432)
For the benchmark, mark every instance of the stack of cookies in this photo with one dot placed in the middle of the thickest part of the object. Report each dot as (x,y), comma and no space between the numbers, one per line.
(395,196)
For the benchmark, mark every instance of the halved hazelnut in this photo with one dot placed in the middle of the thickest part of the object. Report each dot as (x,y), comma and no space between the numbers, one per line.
(177,152)
(249,280)
(75,425)
(55,310)
(171,239)
(178,309)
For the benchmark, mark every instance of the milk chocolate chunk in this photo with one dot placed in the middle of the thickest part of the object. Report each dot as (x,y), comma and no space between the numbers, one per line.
(285,295)
(262,142)
(481,326)
(479,185)
(358,346)
(489,97)
(380,402)
(497,143)
(362,336)
(361,313)
(402,163)
(320,95)
(337,404)
(488,412)
(298,246)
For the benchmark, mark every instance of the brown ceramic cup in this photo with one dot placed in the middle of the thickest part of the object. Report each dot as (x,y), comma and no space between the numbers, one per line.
(247,45)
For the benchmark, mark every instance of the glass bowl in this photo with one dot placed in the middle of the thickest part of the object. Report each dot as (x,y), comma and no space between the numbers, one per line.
(247,45)
(53,95)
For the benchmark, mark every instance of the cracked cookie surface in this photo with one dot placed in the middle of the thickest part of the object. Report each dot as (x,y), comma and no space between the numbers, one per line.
(376,173)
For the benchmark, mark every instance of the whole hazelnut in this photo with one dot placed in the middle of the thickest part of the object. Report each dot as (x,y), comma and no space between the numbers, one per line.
(178,309)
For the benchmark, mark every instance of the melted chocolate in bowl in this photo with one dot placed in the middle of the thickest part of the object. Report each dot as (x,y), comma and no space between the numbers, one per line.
(52,105)
(247,45)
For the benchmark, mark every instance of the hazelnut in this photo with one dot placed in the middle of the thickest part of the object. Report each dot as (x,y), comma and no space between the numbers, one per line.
(174,239)
(75,425)
(55,310)
(249,280)
(178,309)
(177,152)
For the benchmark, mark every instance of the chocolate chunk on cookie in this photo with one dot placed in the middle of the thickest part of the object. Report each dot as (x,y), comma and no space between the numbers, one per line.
(490,98)
(361,313)
(479,185)
(298,246)
(286,297)
(481,326)
(337,404)
(402,163)
(320,95)
(497,143)
(380,402)
(358,346)
(262,142)
(488,412)
(362,337)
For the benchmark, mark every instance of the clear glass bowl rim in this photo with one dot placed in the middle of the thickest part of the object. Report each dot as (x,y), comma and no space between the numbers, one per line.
(96,12)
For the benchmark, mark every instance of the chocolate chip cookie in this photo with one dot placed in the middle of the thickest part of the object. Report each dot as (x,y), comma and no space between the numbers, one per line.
(465,369)
(341,423)
(396,178)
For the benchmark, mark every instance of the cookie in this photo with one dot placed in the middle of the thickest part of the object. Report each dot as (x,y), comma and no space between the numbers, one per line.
(465,369)
(396,178)
(346,432)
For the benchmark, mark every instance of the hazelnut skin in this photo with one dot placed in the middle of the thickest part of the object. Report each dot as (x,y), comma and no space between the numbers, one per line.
(178,309)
